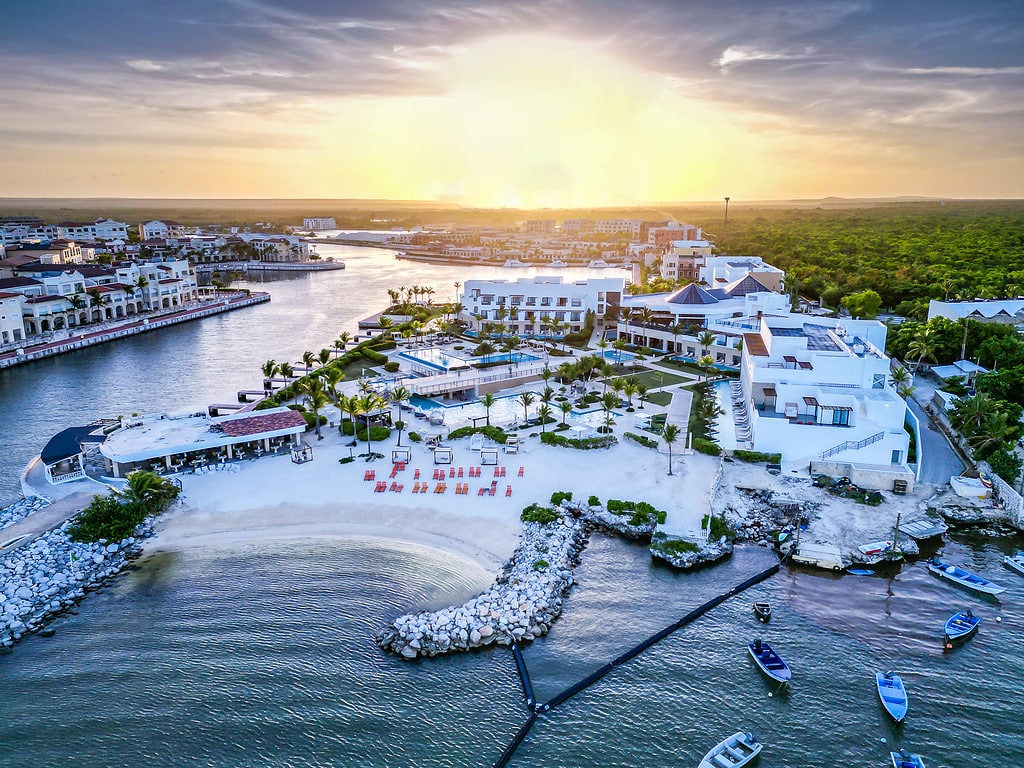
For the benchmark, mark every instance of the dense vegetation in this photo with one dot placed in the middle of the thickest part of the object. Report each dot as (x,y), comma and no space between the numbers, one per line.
(116,516)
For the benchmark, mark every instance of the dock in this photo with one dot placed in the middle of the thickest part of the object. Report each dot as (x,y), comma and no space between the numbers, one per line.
(919,530)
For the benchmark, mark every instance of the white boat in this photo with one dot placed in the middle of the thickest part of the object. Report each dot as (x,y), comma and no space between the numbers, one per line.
(599,264)
(1015,562)
(739,749)
(875,547)
(964,578)
(514,263)
(558,264)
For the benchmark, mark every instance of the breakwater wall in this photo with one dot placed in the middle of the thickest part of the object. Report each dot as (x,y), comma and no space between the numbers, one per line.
(522,604)
(129,329)
(49,575)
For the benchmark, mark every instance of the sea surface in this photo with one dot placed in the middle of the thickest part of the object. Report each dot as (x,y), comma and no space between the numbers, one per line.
(262,654)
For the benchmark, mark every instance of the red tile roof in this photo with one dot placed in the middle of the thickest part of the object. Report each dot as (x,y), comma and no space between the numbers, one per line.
(264,422)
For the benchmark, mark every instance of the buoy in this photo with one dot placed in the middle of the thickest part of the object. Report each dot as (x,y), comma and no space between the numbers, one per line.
(883,740)
(770,694)
(998,619)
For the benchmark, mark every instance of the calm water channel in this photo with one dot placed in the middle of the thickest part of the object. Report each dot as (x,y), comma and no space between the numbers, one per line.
(262,654)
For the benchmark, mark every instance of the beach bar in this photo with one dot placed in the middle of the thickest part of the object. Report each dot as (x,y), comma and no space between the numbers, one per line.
(175,444)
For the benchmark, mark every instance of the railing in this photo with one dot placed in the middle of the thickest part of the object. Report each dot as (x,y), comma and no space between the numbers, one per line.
(78,474)
(851,445)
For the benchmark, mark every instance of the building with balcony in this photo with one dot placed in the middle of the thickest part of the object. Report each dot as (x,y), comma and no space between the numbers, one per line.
(817,390)
(527,306)
(319,222)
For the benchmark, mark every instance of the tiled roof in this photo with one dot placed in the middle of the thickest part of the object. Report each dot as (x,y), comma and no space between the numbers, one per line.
(44,299)
(266,422)
(754,345)
(17,282)
(691,294)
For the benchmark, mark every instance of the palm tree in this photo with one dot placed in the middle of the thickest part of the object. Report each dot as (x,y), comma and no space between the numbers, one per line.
(676,329)
(706,363)
(922,346)
(670,434)
(544,411)
(706,339)
(317,397)
(331,375)
(286,370)
(98,300)
(397,396)
(365,405)
(995,434)
(269,369)
(342,341)
(487,400)
(609,400)
(970,414)
(385,324)
(526,399)
(148,490)
(899,376)
(324,356)
(307,360)
(566,408)
(641,390)
(629,388)
(619,344)
(646,316)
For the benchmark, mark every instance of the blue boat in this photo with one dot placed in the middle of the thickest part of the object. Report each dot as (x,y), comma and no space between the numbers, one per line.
(904,759)
(769,662)
(960,628)
(892,695)
(963,578)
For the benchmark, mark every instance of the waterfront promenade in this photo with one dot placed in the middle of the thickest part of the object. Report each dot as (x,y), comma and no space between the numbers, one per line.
(131,327)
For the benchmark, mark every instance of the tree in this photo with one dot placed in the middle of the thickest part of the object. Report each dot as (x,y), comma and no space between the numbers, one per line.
(669,435)
(922,346)
(487,400)
(397,396)
(269,369)
(629,388)
(342,341)
(286,370)
(307,359)
(970,413)
(544,412)
(863,305)
(324,356)
(316,397)
(706,339)
(365,405)
(706,363)
(566,408)
(526,399)
(609,400)
(148,490)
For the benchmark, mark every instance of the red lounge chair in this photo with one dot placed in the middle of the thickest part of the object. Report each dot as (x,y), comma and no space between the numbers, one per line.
(508,490)
(393,486)
(482,491)
(416,476)
(522,471)
(368,474)
(398,488)
(451,472)
(460,471)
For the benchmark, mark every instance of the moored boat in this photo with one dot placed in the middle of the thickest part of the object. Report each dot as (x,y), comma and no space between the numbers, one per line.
(904,759)
(1015,562)
(875,547)
(963,577)
(763,610)
(960,628)
(892,695)
(769,662)
(739,749)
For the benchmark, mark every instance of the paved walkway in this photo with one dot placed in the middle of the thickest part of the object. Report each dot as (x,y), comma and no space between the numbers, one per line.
(44,520)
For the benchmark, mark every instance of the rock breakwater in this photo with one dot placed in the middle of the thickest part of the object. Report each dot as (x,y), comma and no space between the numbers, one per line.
(20,509)
(521,605)
(50,575)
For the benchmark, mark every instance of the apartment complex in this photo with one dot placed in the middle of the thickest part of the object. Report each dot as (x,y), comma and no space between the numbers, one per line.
(319,222)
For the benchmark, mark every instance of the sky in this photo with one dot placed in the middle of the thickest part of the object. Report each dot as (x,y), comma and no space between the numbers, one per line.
(554,103)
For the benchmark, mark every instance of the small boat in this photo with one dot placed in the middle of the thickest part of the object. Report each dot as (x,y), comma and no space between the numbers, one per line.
(875,547)
(763,610)
(861,571)
(514,263)
(558,264)
(769,662)
(904,759)
(739,749)
(892,695)
(1015,562)
(960,628)
(964,578)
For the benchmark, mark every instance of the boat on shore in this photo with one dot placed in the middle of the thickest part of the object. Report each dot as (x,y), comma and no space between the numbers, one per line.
(769,662)
(1015,562)
(739,749)
(892,694)
(904,759)
(763,610)
(960,627)
(964,578)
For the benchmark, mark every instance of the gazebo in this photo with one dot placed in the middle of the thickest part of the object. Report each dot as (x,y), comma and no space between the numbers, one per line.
(443,455)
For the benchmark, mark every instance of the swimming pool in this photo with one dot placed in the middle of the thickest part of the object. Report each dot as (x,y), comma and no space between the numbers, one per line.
(505,410)
(506,357)
(434,359)
(616,356)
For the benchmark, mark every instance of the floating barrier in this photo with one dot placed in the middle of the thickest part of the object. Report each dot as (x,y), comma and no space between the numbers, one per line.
(593,677)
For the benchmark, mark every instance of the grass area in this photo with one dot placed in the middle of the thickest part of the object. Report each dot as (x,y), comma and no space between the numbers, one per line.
(659,398)
(354,371)
(651,378)
(681,366)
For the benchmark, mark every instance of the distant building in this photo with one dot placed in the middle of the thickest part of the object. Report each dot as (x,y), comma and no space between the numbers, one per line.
(1004,311)
(632,227)
(524,305)
(319,222)
(539,227)
(99,229)
(685,258)
(161,229)
(663,236)
(12,324)
(577,226)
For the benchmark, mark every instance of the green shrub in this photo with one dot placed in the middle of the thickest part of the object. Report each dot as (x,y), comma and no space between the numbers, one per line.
(639,512)
(535,513)
(539,565)
(107,517)
(346,459)
(415,437)
(718,527)
(706,446)
(644,441)
(376,434)
(374,356)
(484,348)
(594,501)
(559,496)
(674,546)
(497,434)
(585,444)
(756,457)
(311,420)
(391,366)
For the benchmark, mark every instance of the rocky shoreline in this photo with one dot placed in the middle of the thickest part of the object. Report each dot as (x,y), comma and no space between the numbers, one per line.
(21,509)
(49,576)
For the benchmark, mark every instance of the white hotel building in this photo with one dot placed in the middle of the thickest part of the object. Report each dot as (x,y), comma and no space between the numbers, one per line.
(818,390)
(530,301)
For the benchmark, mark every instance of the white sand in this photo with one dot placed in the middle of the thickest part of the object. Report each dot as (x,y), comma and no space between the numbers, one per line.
(274,498)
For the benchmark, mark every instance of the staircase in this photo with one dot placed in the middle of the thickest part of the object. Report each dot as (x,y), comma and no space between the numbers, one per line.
(851,445)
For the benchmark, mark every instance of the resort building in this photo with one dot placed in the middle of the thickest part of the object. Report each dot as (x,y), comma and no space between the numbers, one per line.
(161,228)
(818,390)
(100,229)
(528,306)
(539,227)
(719,271)
(663,236)
(577,226)
(632,227)
(674,322)
(1005,311)
(12,324)
(319,222)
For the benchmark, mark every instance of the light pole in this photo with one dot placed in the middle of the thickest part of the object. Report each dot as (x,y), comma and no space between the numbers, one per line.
(725,227)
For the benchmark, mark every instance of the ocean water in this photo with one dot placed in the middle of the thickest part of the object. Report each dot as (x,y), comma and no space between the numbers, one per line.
(263,655)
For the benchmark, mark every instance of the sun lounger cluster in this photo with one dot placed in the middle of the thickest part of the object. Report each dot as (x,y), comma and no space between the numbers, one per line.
(439,478)
(739,412)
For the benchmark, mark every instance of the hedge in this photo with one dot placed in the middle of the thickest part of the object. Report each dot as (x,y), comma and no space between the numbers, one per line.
(756,457)
(644,441)
(497,434)
(559,496)
(376,433)
(535,513)
(640,511)
(706,446)
(585,444)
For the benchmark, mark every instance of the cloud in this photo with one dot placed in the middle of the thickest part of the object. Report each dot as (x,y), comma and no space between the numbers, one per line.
(736,54)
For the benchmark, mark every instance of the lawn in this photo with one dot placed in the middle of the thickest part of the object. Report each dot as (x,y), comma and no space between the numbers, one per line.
(653,379)
(659,398)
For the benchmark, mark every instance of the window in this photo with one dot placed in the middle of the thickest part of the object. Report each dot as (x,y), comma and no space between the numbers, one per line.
(878,381)
(545,301)
(841,418)
(531,301)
